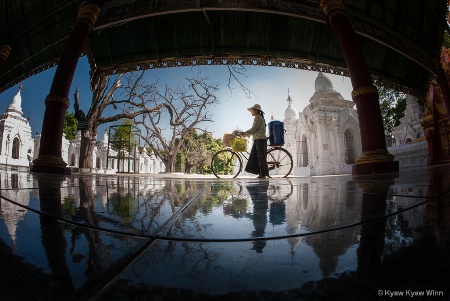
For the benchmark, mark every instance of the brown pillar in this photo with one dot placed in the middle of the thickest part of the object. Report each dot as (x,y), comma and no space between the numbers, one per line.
(374,158)
(443,84)
(57,102)
(4,53)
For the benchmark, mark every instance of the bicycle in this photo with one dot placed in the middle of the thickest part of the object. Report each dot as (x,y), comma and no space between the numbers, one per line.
(228,163)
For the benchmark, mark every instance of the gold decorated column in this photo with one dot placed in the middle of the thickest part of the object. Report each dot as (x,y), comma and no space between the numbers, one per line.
(374,158)
(57,102)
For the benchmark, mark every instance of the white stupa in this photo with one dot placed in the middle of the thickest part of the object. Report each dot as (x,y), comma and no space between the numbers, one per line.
(290,113)
(16,143)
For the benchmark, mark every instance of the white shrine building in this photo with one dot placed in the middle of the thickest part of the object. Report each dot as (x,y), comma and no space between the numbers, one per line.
(410,146)
(16,143)
(324,139)
(410,127)
(18,148)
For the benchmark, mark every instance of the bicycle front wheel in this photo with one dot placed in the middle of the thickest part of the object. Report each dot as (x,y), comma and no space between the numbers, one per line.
(279,162)
(226,164)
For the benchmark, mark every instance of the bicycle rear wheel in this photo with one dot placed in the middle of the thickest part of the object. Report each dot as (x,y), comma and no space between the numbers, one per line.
(280,162)
(226,164)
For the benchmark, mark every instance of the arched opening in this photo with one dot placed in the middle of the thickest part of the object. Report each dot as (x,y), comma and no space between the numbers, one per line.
(302,152)
(349,147)
(72,160)
(98,162)
(15,148)
(408,140)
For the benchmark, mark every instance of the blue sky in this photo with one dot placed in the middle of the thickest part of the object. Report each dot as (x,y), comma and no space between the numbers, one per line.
(269,84)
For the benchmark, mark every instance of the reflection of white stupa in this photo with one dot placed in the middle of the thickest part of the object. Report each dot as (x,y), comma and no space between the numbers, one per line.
(297,212)
(11,213)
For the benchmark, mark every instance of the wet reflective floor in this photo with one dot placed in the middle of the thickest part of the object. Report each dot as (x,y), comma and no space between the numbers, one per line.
(97,237)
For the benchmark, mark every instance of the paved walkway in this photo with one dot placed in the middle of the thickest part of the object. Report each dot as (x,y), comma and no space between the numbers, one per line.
(185,237)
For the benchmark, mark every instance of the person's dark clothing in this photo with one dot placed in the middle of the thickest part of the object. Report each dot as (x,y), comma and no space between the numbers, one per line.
(257,162)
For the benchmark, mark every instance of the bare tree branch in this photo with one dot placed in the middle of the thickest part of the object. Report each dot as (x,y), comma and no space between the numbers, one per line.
(134,100)
(234,71)
(183,109)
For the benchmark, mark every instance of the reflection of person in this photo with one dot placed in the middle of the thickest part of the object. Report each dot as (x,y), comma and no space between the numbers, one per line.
(258,194)
(257,162)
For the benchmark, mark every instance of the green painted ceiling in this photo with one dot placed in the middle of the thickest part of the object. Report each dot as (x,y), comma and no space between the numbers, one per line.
(399,38)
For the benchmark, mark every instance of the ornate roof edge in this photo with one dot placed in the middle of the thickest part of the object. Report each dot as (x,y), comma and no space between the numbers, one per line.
(243,61)
(33,72)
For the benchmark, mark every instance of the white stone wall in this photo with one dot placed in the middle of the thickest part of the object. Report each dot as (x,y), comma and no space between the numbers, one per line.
(411,155)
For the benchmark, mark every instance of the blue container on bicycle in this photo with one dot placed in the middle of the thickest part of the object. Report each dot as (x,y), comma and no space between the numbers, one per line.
(276,133)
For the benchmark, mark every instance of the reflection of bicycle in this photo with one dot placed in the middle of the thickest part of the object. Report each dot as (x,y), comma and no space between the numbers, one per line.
(228,163)
(277,192)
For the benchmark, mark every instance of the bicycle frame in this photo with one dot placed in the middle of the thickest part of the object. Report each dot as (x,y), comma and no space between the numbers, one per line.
(279,161)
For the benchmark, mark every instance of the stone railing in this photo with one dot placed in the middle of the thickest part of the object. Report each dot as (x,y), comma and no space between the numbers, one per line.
(409,155)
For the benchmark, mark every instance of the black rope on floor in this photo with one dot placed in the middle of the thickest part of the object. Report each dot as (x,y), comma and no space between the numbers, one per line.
(167,238)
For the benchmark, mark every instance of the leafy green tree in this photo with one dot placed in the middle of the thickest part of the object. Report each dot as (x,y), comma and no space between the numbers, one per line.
(124,139)
(70,126)
(199,150)
(145,149)
(219,163)
(392,105)
(195,151)
(213,146)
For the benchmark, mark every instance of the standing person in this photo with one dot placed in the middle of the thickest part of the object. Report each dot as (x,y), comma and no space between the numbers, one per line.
(257,162)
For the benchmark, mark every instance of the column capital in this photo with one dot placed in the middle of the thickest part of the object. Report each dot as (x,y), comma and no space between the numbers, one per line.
(332,8)
(87,14)
(57,99)
(364,90)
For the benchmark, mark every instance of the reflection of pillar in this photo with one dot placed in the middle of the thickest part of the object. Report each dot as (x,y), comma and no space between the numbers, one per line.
(438,211)
(429,135)
(371,243)
(374,156)
(94,263)
(53,239)
(4,53)
(57,102)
